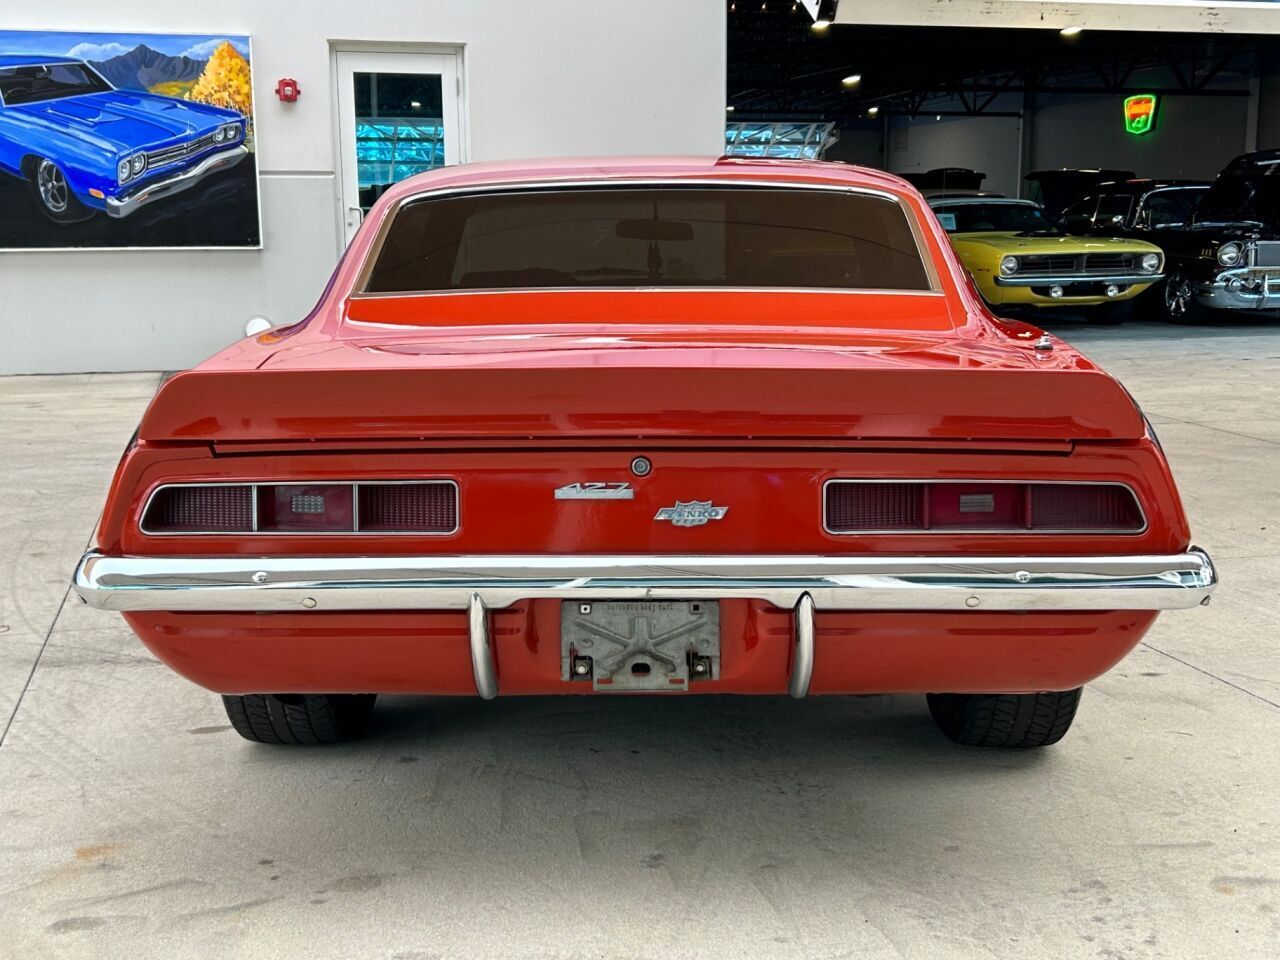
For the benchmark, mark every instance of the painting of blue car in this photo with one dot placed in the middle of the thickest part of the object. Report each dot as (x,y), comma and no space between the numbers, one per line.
(137,149)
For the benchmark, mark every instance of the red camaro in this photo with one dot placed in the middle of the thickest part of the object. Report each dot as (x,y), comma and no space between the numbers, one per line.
(646,426)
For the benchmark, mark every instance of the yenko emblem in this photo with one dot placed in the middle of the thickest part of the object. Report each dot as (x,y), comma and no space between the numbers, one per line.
(692,514)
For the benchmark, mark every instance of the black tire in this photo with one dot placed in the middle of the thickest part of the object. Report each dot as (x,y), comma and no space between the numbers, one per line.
(1180,304)
(298,718)
(52,192)
(1005,719)
(1110,314)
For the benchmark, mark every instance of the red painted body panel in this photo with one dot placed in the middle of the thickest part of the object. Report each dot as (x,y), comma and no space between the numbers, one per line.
(427,652)
(751,398)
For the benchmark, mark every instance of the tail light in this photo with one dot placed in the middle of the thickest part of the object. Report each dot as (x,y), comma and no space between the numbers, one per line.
(400,507)
(915,506)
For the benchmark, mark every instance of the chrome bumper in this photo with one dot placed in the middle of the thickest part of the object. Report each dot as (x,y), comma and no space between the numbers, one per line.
(129,203)
(804,584)
(1244,288)
(1074,278)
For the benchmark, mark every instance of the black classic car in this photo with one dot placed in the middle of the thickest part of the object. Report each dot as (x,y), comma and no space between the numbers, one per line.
(1055,190)
(1228,256)
(1139,209)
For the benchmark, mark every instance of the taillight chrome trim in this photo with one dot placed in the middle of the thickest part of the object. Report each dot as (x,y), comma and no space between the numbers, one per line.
(290,482)
(967,531)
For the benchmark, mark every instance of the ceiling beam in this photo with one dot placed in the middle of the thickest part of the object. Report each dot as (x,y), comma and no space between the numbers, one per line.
(1139,15)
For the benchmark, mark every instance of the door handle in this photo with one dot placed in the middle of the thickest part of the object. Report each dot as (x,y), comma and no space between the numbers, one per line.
(355,216)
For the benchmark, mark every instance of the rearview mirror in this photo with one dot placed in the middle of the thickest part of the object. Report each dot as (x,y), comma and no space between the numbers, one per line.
(654,230)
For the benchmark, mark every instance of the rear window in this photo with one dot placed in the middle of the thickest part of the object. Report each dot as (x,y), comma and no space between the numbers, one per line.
(676,237)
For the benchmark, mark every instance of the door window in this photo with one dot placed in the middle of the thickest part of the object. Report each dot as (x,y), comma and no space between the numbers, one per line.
(399,129)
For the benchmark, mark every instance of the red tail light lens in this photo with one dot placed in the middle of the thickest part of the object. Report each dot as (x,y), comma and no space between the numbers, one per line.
(200,509)
(1088,506)
(915,506)
(405,507)
(409,507)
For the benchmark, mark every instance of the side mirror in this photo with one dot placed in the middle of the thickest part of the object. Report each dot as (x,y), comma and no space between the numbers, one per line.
(256,325)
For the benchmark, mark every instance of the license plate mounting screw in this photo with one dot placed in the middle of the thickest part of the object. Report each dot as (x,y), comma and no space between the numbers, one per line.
(700,666)
(582,667)
(584,608)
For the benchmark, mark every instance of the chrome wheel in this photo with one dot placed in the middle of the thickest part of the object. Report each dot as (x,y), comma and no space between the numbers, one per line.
(1180,305)
(52,187)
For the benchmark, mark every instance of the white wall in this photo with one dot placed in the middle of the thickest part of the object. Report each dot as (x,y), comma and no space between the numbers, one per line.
(987,144)
(560,77)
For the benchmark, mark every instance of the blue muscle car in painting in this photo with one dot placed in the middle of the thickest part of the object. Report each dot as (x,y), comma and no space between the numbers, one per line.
(85,146)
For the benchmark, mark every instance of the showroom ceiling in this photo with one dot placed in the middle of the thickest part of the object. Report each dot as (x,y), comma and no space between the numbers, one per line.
(781,68)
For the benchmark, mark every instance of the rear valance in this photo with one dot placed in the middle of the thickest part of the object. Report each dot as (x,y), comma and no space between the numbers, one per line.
(642,402)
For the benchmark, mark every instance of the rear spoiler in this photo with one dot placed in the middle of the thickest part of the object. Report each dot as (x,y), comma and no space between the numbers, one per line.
(637,402)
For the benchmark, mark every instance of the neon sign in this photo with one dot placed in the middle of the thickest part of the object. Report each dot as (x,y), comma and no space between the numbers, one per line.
(1140,113)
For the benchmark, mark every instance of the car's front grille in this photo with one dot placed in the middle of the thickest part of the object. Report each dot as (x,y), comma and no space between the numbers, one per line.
(1103,262)
(1049,264)
(1065,264)
(167,155)
(1267,254)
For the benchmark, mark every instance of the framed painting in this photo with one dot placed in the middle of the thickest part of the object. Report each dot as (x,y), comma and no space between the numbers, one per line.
(126,140)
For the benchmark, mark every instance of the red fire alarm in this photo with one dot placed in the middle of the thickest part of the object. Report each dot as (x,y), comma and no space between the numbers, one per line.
(287,90)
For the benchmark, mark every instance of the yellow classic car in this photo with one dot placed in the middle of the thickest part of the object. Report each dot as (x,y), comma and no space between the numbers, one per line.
(1019,258)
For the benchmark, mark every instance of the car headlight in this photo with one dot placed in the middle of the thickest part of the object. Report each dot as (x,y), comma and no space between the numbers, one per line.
(233,132)
(137,164)
(122,170)
(220,134)
(1008,266)
(1150,262)
(1229,254)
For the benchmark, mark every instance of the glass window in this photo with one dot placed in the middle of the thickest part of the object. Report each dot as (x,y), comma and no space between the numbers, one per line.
(995,217)
(669,237)
(19,85)
(399,129)
(1081,210)
(1113,210)
(1170,208)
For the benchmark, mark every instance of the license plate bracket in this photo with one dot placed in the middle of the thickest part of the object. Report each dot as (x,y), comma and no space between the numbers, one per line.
(649,646)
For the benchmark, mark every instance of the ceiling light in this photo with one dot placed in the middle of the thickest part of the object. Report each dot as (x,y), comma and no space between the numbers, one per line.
(729,109)
(820,24)
(415,104)
(872,111)
(1071,31)
(852,80)
(937,116)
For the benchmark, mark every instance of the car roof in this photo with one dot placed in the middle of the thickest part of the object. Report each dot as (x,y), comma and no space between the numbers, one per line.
(675,169)
(32,60)
(970,200)
(1148,184)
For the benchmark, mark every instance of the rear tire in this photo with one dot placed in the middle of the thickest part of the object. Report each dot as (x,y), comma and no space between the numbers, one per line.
(299,718)
(1005,719)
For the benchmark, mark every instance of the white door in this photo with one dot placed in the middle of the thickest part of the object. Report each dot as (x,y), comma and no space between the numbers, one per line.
(398,114)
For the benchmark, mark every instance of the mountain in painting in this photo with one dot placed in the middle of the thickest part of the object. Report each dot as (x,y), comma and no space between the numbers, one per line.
(143,68)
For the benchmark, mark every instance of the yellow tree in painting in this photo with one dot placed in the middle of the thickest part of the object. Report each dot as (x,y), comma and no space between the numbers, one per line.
(225,81)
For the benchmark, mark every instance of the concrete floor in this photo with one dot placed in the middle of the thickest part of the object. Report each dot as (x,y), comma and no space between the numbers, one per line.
(134,823)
